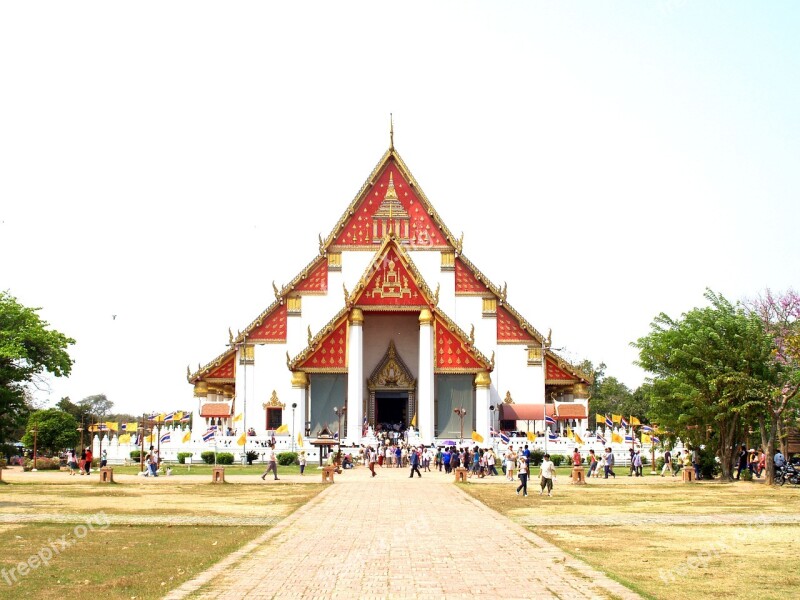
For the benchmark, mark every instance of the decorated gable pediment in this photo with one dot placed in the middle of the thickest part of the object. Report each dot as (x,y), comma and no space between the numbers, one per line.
(558,372)
(392,281)
(327,353)
(467,283)
(224,371)
(389,203)
(391,373)
(454,351)
(315,280)
(509,330)
(270,328)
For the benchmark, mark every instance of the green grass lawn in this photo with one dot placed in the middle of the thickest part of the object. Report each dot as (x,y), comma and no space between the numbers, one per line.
(129,561)
(204,469)
(660,559)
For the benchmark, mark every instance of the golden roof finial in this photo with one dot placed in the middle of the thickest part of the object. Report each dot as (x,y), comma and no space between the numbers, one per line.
(391,132)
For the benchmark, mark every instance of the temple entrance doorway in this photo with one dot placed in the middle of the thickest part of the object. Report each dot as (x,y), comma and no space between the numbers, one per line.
(391,410)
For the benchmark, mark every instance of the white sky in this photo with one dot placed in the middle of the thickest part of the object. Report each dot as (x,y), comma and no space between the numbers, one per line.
(165,162)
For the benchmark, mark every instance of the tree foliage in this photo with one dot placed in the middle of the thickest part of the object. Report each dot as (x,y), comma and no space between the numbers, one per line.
(28,349)
(711,369)
(610,396)
(56,430)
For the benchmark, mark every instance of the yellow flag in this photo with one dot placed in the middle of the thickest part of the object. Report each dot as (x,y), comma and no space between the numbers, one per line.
(616,418)
(237,417)
(570,435)
(578,439)
(112,425)
(282,429)
(125,438)
(187,436)
(646,439)
(477,437)
(300,439)
(242,439)
(148,439)
(160,418)
(616,438)
(599,420)
(177,416)
(414,420)
(531,436)
(635,420)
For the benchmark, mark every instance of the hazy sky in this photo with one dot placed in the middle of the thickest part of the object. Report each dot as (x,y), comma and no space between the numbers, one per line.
(165,162)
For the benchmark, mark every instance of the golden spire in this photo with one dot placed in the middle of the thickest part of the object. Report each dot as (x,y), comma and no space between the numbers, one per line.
(391,132)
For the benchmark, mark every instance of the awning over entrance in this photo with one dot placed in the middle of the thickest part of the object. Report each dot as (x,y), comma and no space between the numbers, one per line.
(525,412)
(571,411)
(215,409)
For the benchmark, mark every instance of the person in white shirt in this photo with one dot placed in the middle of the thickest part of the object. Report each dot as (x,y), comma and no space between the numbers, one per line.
(272,461)
(548,473)
(523,476)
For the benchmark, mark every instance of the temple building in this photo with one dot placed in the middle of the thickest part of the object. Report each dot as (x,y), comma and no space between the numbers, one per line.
(391,321)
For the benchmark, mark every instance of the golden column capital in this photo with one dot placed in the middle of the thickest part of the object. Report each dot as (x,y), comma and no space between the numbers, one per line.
(356,317)
(201,389)
(228,391)
(580,390)
(425,317)
(482,379)
(299,379)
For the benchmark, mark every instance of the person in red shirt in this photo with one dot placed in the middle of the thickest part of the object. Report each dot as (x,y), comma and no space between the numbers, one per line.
(88,463)
(576,458)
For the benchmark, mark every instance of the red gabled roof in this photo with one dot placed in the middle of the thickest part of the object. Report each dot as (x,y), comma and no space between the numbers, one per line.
(215,409)
(414,224)
(571,411)
(467,283)
(453,353)
(393,282)
(330,353)
(555,374)
(226,370)
(272,328)
(316,282)
(509,330)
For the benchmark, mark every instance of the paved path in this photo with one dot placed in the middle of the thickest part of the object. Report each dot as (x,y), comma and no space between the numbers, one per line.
(390,537)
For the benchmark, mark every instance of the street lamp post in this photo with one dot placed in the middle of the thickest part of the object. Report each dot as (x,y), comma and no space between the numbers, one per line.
(492,430)
(461,411)
(35,432)
(141,429)
(340,414)
(80,429)
(294,405)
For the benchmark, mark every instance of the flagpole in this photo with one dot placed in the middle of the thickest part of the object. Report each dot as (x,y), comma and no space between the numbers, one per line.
(244,398)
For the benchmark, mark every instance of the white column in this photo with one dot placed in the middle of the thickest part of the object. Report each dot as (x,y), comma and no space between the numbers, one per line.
(355,377)
(425,414)
(483,385)
(299,391)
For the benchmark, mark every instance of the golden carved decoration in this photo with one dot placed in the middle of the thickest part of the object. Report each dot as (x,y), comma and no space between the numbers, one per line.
(273,402)
(356,316)
(548,342)
(425,317)
(472,335)
(534,355)
(508,399)
(230,337)
(288,360)
(459,245)
(310,337)
(436,295)
(346,295)
(491,362)
(299,379)
(227,390)
(334,261)
(247,354)
(504,293)
(482,379)
(489,307)
(201,389)
(335,321)
(294,305)
(321,246)
(389,284)
(188,372)
(448,261)
(580,390)
(391,373)
(276,291)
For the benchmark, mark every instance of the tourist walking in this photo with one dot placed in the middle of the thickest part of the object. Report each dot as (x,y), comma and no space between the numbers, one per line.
(637,464)
(371,459)
(446,458)
(667,464)
(742,461)
(511,459)
(71,462)
(592,463)
(547,471)
(608,464)
(272,462)
(523,476)
(413,458)
(88,464)
(301,460)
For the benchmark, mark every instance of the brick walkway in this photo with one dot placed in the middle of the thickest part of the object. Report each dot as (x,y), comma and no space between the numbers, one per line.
(391,537)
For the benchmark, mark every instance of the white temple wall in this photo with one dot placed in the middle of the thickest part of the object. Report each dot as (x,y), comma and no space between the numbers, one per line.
(267,374)
(526,383)
(354,263)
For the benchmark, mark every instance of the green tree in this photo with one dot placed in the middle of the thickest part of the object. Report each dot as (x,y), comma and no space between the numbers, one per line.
(711,369)
(780,316)
(610,396)
(56,430)
(28,349)
(97,406)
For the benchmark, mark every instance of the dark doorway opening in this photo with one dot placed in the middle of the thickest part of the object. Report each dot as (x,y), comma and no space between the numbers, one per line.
(391,409)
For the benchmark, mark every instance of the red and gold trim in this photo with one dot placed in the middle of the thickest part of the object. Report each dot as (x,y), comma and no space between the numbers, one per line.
(453,353)
(509,331)
(273,327)
(556,375)
(316,282)
(329,354)
(467,284)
